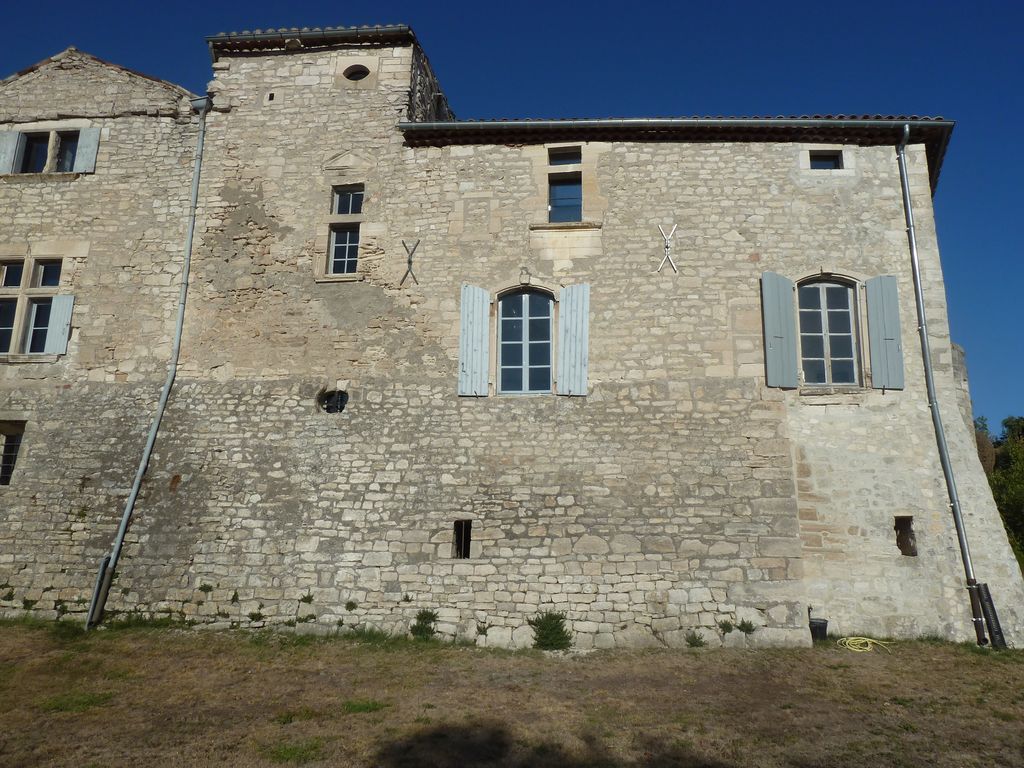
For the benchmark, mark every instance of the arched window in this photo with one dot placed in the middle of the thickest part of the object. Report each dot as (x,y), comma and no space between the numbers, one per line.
(828,332)
(524,342)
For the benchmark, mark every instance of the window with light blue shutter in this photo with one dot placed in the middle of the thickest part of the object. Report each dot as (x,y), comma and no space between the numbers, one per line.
(886,346)
(474,341)
(59,326)
(9,143)
(85,156)
(573,339)
(780,343)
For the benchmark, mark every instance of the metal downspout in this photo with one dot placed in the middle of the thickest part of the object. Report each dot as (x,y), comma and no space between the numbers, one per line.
(109,563)
(933,404)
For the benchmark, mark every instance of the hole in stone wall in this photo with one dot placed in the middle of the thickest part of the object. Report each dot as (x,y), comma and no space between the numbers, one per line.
(906,539)
(332,400)
(270,96)
(356,72)
(463,537)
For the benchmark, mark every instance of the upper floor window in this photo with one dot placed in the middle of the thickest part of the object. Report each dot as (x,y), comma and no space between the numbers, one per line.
(826,160)
(524,342)
(344,256)
(828,333)
(565,188)
(34,317)
(348,199)
(70,151)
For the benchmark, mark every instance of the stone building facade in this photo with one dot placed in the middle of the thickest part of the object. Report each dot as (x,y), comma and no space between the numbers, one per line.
(524,414)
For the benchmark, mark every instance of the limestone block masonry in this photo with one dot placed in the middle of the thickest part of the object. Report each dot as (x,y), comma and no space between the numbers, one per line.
(678,492)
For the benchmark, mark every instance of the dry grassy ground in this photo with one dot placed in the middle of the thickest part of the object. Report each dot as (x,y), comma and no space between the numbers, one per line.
(170,697)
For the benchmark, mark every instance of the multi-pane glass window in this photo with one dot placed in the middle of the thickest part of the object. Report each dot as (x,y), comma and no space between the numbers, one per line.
(828,334)
(28,288)
(348,200)
(10,442)
(38,325)
(10,274)
(344,250)
(47,274)
(826,160)
(524,342)
(565,198)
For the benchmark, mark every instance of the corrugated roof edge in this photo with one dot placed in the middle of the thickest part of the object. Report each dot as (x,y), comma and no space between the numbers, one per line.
(933,132)
(270,39)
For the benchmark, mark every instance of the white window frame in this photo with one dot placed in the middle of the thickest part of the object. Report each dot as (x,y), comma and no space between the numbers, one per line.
(852,289)
(524,293)
(27,296)
(323,267)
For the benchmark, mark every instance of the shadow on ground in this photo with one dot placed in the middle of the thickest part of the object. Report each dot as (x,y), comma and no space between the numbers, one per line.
(492,746)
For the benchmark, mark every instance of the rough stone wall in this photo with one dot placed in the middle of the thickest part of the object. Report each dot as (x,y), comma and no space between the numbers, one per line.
(679,492)
(426,100)
(119,234)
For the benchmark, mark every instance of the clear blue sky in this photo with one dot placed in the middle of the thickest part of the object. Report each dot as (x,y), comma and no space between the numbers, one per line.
(963,61)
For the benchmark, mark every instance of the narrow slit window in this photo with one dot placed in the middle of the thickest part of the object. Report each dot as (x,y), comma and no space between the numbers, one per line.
(906,539)
(463,538)
(67,150)
(38,325)
(8,310)
(10,442)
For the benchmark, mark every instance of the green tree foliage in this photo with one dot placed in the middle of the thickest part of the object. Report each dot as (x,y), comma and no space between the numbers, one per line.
(1007,478)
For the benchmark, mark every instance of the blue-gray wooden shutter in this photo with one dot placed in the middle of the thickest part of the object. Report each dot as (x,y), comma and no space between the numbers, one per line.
(573,339)
(60,325)
(780,358)
(9,143)
(884,333)
(88,143)
(474,341)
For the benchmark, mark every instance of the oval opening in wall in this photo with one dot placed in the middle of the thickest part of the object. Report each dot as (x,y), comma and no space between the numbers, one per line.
(356,72)
(333,400)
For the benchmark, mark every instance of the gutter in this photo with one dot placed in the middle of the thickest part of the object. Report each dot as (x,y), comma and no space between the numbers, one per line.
(108,565)
(982,609)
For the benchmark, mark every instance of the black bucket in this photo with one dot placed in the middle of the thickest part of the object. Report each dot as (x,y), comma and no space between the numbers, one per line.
(819,629)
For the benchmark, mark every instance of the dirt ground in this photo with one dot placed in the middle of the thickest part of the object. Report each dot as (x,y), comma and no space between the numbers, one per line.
(179,697)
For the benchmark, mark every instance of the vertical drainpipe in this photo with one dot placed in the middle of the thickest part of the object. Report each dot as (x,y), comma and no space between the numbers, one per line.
(109,563)
(933,404)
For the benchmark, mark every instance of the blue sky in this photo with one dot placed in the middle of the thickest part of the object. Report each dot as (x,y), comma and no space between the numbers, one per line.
(546,59)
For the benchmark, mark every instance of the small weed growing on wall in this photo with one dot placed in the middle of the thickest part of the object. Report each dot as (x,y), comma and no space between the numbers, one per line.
(406,598)
(234,597)
(8,595)
(206,588)
(694,639)
(28,604)
(255,616)
(423,627)
(746,627)
(351,605)
(481,628)
(726,626)
(307,598)
(549,631)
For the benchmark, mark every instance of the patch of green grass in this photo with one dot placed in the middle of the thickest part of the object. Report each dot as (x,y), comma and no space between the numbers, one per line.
(694,639)
(67,630)
(298,752)
(139,621)
(291,716)
(357,706)
(75,701)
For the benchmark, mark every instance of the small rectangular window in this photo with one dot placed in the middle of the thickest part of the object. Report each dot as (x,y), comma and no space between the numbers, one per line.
(8,309)
(10,274)
(10,441)
(565,197)
(826,160)
(47,274)
(348,200)
(463,538)
(344,254)
(67,149)
(38,325)
(565,156)
(34,152)
(906,539)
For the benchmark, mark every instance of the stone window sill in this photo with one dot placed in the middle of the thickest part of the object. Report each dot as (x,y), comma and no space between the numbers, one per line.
(23,358)
(30,177)
(565,226)
(348,278)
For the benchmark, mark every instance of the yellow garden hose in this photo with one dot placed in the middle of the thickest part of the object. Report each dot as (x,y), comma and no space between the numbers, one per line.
(861,644)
